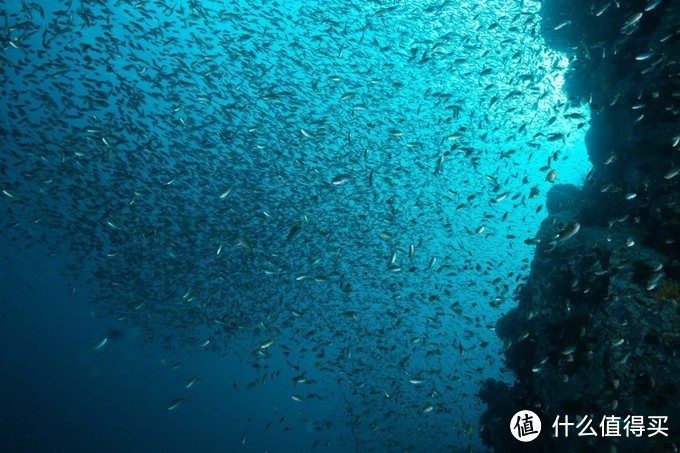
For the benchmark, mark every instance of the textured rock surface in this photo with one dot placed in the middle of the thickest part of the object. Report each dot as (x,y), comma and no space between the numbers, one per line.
(597,328)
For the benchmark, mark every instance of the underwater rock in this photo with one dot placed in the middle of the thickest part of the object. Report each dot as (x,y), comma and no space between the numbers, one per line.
(597,328)
(564,197)
(592,330)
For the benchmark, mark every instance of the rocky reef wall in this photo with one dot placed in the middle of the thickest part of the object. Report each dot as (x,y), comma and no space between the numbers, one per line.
(597,328)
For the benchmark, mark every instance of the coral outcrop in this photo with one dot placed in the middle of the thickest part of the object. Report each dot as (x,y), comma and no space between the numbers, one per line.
(597,328)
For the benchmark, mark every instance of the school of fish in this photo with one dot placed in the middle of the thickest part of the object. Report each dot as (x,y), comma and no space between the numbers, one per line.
(351,187)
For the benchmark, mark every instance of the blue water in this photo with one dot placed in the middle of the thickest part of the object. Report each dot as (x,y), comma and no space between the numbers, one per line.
(231,192)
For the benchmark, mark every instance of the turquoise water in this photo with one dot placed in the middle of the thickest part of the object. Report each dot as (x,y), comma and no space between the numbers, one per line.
(318,209)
